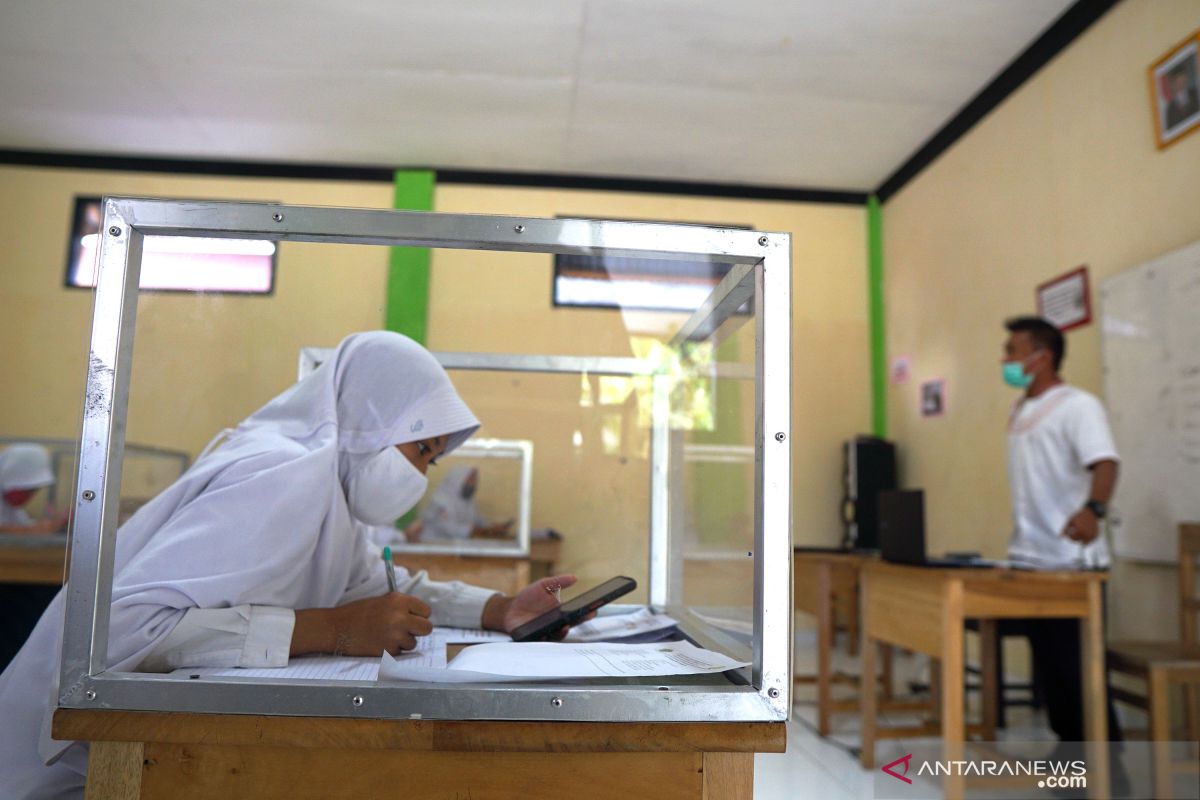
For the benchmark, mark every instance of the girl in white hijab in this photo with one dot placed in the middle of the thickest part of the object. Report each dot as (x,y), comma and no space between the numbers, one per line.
(24,470)
(451,511)
(259,551)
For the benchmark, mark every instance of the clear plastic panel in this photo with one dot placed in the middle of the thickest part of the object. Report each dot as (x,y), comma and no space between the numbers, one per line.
(713,477)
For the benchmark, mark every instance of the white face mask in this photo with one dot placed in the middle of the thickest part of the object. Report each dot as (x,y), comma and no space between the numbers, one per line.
(384,487)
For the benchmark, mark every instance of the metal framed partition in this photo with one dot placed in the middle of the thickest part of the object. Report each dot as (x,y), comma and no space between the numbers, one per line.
(762,271)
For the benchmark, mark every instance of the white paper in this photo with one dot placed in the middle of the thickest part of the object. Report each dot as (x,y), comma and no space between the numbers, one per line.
(619,626)
(531,661)
(324,668)
(430,652)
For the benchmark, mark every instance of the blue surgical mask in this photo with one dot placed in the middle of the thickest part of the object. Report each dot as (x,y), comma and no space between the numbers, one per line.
(1014,375)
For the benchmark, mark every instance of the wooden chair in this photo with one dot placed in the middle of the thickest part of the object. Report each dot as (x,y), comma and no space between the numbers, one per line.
(1161,664)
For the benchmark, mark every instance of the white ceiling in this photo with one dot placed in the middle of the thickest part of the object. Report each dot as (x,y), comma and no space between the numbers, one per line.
(801,93)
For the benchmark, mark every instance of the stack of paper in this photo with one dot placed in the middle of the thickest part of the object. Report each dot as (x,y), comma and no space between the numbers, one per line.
(537,661)
(614,627)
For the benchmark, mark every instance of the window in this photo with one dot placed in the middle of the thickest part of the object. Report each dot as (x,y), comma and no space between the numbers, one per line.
(176,263)
(642,284)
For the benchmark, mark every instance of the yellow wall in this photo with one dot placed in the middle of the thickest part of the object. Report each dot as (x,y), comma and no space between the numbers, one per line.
(201,362)
(1065,172)
(831,393)
(204,362)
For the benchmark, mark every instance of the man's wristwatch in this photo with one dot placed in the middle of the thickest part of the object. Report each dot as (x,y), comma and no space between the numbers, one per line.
(1097,508)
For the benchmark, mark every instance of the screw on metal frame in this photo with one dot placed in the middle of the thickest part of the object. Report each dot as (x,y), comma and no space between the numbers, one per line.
(357,700)
(763,240)
(277,217)
(773,692)
(89,495)
(779,437)
(556,702)
(114,231)
(519,228)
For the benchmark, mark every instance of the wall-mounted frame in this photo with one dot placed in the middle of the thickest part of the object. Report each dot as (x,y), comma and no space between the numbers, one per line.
(762,271)
(1175,91)
(1066,301)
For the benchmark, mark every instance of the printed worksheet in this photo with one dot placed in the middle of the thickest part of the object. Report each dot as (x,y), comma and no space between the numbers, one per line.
(536,661)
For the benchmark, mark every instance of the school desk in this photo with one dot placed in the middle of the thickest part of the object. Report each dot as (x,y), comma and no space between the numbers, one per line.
(33,558)
(180,756)
(923,609)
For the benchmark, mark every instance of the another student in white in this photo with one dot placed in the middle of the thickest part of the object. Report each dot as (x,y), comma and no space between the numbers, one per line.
(1062,469)
(24,471)
(259,551)
(451,512)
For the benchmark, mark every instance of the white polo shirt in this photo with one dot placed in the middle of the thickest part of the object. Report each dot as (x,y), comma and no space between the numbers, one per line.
(1052,440)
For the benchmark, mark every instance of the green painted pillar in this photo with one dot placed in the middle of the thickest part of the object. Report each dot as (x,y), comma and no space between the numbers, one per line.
(407,305)
(879,416)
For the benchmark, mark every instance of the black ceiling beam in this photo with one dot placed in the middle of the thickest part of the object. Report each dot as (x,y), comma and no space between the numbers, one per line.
(336,172)
(1073,22)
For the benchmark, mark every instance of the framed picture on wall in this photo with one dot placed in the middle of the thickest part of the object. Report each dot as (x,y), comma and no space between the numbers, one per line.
(933,398)
(1175,91)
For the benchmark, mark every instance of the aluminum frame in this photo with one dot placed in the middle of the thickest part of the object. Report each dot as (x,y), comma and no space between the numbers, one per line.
(84,681)
(520,449)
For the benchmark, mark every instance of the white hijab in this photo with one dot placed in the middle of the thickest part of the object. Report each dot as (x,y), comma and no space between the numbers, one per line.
(263,519)
(448,514)
(25,466)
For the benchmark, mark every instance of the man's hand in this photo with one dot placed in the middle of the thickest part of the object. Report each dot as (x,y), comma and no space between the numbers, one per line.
(1083,527)
(506,613)
(367,627)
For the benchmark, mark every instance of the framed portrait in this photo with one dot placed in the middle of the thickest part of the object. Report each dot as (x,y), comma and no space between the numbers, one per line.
(1175,91)
(933,398)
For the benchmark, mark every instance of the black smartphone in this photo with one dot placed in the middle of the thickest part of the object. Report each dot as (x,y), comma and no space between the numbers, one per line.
(573,610)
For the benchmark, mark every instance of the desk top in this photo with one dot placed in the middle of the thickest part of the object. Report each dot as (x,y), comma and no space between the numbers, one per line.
(33,541)
(832,554)
(421,735)
(986,574)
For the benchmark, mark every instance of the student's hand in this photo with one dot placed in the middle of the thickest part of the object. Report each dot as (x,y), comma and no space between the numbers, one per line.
(507,613)
(1083,527)
(390,622)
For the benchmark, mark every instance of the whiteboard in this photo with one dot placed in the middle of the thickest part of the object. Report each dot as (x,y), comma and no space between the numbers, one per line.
(1150,326)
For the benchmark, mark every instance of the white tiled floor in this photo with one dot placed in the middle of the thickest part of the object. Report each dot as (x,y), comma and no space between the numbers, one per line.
(827,768)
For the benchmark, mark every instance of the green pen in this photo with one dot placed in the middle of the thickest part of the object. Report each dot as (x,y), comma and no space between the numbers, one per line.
(391,569)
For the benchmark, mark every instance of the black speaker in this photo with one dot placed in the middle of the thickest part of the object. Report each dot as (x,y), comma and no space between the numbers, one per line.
(869,468)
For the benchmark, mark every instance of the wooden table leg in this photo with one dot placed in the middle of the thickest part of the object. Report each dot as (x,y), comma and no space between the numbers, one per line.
(953,727)
(824,644)
(867,688)
(935,689)
(885,677)
(852,611)
(989,669)
(728,776)
(1160,731)
(1095,705)
(114,771)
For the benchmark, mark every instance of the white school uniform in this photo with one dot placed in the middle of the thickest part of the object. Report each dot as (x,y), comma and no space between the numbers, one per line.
(1052,440)
(209,572)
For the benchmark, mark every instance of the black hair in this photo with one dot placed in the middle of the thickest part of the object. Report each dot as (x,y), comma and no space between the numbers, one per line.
(1043,334)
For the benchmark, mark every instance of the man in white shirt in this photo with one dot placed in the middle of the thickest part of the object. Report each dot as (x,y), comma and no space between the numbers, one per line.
(1062,470)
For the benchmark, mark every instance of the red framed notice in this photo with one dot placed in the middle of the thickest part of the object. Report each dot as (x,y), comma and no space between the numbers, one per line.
(1066,301)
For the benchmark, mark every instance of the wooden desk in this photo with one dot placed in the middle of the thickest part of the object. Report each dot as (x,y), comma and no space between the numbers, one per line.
(181,756)
(507,574)
(33,558)
(923,609)
(824,584)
